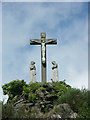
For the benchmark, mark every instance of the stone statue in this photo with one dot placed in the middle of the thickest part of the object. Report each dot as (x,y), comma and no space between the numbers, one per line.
(43,53)
(32,72)
(43,42)
(55,71)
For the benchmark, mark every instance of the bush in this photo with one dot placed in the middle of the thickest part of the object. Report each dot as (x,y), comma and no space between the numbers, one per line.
(61,87)
(74,97)
(7,110)
(30,91)
(13,88)
(32,97)
(84,111)
(32,87)
(43,89)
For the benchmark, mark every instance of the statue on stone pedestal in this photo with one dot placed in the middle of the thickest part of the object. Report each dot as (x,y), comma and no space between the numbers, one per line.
(55,71)
(32,72)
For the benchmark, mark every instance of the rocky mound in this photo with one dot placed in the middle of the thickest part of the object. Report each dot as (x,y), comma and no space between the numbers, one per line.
(42,106)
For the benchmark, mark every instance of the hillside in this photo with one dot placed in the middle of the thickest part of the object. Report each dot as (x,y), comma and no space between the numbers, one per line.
(45,100)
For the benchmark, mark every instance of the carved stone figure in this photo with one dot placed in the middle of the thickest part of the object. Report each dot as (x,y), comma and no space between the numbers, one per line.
(55,71)
(43,53)
(32,72)
(43,42)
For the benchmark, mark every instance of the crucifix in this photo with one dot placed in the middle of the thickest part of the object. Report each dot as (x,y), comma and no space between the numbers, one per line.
(43,42)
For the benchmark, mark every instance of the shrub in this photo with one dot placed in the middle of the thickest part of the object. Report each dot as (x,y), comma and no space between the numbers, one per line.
(7,110)
(13,88)
(43,89)
(30,91)
(32,97)
(84,111)
(61,87)
(33,87)
(74,97)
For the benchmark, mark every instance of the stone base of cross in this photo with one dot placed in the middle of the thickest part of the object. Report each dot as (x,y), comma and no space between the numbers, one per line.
(43,42)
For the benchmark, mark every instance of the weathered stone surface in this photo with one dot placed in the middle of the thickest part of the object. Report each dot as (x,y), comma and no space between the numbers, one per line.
(32,72)
(46,93)
(62,111)
(43,106)
(48,102)
(36,112)
(40,93)
(53,116)
(55,71)
(37,105)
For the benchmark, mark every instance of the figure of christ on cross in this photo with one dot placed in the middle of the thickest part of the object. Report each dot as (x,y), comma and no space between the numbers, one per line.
(43,42)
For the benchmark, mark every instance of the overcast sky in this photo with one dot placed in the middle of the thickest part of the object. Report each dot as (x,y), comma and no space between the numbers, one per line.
(68,22)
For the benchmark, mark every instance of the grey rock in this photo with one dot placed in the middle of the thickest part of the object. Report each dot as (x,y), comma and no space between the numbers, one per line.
(37,105)
(40,93)
(62,111)
(19,101)
(46,93)
(47,102)
(50,105)
(36,112)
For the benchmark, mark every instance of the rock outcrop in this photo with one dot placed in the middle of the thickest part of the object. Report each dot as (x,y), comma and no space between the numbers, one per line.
(43,106)
(62,111)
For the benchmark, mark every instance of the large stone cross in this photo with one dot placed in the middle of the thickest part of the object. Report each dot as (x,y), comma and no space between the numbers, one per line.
(43,42)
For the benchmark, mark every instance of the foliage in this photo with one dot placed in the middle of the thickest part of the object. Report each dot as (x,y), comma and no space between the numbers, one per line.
(61,87)
(32,97)
(32,87)
(74,97)
(13,88)
(84,111)
(13,99)
(7,110)
(30,91)
(42,88)
(1,109)
(46,109)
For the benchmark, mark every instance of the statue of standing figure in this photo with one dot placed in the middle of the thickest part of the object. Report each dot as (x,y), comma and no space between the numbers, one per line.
(32,72)
(55,71)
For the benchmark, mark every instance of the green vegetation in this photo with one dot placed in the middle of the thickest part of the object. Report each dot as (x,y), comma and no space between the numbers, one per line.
(61,87)
(43,89)
(14,88)
(6,110)
(30,92)
(76,98)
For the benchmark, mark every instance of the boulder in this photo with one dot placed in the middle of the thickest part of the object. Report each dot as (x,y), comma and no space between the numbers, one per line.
(62,111)
(40,93)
